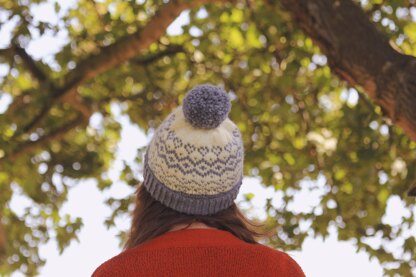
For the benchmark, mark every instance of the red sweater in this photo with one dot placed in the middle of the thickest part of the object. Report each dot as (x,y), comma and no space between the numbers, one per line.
(199,252)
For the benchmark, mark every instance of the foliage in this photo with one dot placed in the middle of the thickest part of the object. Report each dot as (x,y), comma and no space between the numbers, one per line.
(300,123)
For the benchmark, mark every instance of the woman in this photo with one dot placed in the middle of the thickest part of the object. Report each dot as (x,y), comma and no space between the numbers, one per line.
(185,222)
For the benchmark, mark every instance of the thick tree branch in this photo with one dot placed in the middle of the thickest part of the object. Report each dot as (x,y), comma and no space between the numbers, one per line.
(360,54)
(108,57)
(121,51)
(129,46)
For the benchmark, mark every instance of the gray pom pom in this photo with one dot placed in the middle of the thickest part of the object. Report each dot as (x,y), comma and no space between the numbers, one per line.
(206,106)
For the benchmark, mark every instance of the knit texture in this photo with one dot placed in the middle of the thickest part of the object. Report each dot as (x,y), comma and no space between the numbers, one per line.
(191,169)
(200,252)
(206,106)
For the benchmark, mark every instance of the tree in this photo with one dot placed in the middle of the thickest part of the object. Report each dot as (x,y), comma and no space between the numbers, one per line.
(303,127)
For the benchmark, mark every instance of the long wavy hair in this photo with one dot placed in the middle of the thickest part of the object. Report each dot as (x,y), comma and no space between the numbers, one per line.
(152,219)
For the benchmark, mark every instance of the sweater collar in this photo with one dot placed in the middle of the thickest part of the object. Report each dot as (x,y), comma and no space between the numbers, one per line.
(193,237)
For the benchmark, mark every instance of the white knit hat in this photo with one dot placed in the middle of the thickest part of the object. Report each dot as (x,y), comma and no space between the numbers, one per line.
(194,163)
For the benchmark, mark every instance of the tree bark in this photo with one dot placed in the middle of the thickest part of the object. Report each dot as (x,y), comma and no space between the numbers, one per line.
(360,54)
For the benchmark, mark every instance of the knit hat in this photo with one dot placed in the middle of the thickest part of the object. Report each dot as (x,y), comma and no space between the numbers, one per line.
(194,162)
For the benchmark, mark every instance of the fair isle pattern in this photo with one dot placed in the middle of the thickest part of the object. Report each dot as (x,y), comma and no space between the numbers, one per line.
(186,203)
(191,169)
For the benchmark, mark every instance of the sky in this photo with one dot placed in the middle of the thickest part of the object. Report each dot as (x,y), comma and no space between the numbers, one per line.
(97,244)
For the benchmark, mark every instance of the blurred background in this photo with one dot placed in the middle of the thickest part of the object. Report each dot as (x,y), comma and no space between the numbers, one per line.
(326,106)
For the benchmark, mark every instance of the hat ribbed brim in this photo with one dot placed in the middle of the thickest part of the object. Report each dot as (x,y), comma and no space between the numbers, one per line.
(187,203)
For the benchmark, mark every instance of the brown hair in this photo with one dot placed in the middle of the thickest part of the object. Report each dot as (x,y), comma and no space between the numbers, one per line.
(151,219)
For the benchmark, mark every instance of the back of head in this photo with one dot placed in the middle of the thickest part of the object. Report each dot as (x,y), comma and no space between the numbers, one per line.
(152,219)
(193,170)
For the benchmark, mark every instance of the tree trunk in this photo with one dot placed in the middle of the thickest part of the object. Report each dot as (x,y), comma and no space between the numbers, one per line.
(360,54)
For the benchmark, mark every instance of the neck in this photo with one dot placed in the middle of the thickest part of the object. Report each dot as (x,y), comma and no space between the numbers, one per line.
(194,225)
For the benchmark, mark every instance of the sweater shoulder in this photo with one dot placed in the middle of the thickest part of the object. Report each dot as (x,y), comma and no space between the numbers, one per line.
(114,264)
(278,261)
(282,262)
(272,260)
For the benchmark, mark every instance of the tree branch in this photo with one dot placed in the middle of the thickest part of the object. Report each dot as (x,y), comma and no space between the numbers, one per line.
(129,46)
(412,191)
(124,49)
(38,74)
(170,51)
(6,52)
(35,120)
(2,243)
(53,135)
(132,97)
(360,54)
(31,65)
(108,57)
